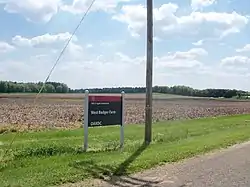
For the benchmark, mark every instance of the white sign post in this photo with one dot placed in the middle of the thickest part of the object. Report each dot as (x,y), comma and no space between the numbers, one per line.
(105,110)
(86,119)
(123,122)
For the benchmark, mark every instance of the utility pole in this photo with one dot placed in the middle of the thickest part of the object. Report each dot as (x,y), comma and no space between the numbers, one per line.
(149,74)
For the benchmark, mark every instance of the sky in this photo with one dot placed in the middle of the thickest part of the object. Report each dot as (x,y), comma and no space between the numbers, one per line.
(197,43)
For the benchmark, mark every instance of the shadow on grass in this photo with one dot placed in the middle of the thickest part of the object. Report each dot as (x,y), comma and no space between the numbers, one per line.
(117,176)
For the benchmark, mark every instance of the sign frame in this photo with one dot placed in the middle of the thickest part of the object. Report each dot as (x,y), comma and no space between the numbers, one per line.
(86,119)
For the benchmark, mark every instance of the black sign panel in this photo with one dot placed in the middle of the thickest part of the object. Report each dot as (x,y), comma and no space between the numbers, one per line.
(105,110)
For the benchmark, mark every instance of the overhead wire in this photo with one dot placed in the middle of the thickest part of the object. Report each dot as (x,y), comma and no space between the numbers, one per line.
(52,69)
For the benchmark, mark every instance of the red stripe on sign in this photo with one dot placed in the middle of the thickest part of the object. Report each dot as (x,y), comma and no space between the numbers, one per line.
(105,98)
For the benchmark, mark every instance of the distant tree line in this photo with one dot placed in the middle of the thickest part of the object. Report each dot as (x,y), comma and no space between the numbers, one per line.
(112,90)
(188,91)
(20,87)
(56,87)
(177,90)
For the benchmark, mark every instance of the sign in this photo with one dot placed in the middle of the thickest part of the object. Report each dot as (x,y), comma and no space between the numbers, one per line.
(104,110)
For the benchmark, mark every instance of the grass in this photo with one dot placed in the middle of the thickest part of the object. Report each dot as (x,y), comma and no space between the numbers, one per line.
(54,157)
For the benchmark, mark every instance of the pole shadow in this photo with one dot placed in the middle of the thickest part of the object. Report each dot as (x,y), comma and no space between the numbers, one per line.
(122,168)
(116,176)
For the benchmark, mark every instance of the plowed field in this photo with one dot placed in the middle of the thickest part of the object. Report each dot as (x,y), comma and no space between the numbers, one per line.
(66,110)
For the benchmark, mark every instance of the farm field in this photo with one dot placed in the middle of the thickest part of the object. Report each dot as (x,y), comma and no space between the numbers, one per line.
(18,111)
(81,96)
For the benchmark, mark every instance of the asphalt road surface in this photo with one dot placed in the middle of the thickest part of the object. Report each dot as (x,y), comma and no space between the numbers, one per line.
(225,168)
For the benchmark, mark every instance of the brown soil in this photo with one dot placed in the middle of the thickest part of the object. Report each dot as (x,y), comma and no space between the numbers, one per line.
(67,111)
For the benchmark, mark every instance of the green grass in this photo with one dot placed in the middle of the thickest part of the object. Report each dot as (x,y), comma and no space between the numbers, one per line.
(55,157)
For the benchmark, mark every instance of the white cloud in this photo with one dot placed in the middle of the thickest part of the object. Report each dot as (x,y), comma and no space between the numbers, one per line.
(223,23)
(112,43)
(174,60)
(134,16)
(88,70)
(83,65)
(44,10)
(80,6)
(199,4)
(95,72)
(5,47)
(101,70)
(177,64)
(246,48)
(191,54)
(45,39)
(125,59)
(33,10)
(166,21)
(235,61)
(54,42)
(89,45)
(181,60)
(198,43)
(75,51)
(157,39)
(208,39)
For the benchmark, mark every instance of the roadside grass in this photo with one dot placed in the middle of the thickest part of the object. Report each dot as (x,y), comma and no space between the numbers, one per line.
(54,157)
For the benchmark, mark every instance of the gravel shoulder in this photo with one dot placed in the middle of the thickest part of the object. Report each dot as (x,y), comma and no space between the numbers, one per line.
(223,168)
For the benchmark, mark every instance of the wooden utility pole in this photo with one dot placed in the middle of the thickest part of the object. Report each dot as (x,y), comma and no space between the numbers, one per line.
(149,73)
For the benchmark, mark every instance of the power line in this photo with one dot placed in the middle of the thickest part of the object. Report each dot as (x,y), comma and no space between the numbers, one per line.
(65,47)
(52,69)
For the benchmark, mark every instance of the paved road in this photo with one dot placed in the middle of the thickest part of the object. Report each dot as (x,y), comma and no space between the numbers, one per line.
(226,168)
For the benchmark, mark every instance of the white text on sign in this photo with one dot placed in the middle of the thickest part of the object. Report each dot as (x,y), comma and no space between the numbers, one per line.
(96,123)
(103,112)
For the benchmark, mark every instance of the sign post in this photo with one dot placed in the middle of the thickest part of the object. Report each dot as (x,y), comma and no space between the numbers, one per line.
(86,119)
(122,123)
(103,110)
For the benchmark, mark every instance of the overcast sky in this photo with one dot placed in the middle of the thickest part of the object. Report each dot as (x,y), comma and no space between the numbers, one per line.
(199,43)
